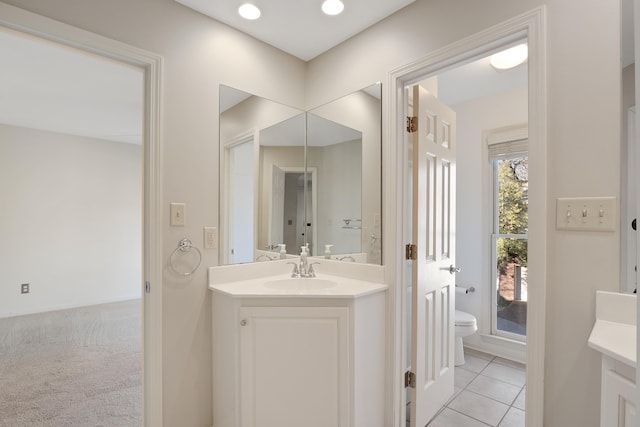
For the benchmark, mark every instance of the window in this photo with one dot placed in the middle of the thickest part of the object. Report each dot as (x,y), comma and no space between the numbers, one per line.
(509,166)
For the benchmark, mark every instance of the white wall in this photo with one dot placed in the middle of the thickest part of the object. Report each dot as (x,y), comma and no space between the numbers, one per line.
(339,196)
(474,206)
(70,222)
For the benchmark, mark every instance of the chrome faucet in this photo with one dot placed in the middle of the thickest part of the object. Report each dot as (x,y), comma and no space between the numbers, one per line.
(304,270)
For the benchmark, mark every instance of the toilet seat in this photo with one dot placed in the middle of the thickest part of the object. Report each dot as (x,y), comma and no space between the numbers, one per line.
(463,318)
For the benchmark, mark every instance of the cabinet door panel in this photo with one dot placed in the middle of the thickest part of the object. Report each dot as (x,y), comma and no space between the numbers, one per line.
(294,367)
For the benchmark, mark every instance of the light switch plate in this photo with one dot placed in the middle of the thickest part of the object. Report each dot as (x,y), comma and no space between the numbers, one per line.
(210,238)
(177,214)
(586,213)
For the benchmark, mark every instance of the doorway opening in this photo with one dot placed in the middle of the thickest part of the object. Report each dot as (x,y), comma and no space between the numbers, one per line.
(240,238)
(293,212)
(72,136)
(424,71)
(100,48)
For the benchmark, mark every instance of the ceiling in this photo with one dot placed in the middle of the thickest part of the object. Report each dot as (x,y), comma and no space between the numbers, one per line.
(299,27)
(51,87)
(478,79)
(48,86)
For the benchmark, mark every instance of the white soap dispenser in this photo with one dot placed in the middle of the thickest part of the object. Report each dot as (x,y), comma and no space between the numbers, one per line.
(283,250)
(327,251)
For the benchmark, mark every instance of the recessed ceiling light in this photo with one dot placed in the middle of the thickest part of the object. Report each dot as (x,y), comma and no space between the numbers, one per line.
(249,11)
(510,58)
(332,7)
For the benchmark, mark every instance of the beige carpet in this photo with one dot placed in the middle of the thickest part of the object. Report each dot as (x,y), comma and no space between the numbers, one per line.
(78,367)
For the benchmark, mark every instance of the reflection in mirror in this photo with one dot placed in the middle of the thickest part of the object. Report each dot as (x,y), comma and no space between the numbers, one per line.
(283,202)
(246,123)
(290,178)
(629,166)
(336,150)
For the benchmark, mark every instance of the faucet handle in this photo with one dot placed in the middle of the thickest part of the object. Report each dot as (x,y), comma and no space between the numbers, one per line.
(311,272)
(295,272)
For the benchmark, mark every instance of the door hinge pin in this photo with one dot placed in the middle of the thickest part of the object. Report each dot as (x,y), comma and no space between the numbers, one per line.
(411,252)
(147,287)
(409,379)
(412,124)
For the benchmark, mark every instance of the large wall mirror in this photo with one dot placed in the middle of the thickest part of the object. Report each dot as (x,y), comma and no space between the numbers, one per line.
(291,178)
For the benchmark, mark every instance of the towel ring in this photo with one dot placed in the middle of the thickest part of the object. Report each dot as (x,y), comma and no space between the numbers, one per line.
(185,245)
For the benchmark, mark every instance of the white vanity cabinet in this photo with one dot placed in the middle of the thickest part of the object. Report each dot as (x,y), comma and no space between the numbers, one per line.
(294,366)
(614,335)
(311,360)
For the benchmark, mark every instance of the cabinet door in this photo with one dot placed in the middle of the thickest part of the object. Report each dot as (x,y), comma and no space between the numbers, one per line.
(294,367)
(618,394)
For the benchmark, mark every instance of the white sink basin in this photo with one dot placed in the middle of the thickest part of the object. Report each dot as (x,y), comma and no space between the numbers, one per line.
(300,284)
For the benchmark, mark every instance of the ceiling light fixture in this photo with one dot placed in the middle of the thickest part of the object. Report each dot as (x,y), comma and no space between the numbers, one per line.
(332,7)
(249,11)
(510,58)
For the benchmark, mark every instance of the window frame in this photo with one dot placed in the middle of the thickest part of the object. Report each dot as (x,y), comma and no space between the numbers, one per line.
(514,149)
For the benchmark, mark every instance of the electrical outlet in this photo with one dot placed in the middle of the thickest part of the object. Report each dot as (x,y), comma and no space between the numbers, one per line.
(24,288)
(210,238)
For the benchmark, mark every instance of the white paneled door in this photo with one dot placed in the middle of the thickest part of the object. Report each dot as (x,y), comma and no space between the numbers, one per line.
(433,265)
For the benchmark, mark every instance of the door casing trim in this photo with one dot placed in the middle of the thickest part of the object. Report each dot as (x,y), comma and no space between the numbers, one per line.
(531,25)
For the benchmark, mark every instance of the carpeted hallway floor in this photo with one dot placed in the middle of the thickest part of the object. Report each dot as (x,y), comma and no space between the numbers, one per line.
(77,367)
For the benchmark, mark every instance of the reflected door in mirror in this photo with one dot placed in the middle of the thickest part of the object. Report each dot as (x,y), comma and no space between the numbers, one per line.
(241,202)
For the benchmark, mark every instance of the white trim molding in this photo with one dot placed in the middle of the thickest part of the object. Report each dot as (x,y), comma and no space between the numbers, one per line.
(30,23)
(530,25)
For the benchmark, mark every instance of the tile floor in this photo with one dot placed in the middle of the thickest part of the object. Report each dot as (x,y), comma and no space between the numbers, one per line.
(488,391)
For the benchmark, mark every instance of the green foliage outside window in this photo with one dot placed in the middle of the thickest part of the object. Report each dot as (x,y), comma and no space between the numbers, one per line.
(513,208)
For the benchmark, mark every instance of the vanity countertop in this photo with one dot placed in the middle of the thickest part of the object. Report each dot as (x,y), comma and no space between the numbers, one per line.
(344,288)
(614,332)
(351,280)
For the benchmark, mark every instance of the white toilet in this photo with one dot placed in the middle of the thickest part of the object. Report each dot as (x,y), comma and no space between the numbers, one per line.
(465,325)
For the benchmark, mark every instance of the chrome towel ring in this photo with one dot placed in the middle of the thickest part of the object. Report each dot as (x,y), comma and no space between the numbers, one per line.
(184,245)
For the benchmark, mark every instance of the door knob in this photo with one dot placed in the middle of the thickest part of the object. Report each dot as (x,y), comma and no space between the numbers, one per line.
(453,270)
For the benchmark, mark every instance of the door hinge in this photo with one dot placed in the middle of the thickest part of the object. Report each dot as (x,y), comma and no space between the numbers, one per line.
(147,287)
(409,379)
(412,124)
(411,251)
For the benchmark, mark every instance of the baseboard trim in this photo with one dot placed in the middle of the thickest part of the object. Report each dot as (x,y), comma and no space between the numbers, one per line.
(499,346)
(68,306)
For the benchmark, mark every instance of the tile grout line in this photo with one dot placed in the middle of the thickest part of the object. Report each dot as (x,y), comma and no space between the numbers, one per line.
(476,375)
(469,416)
